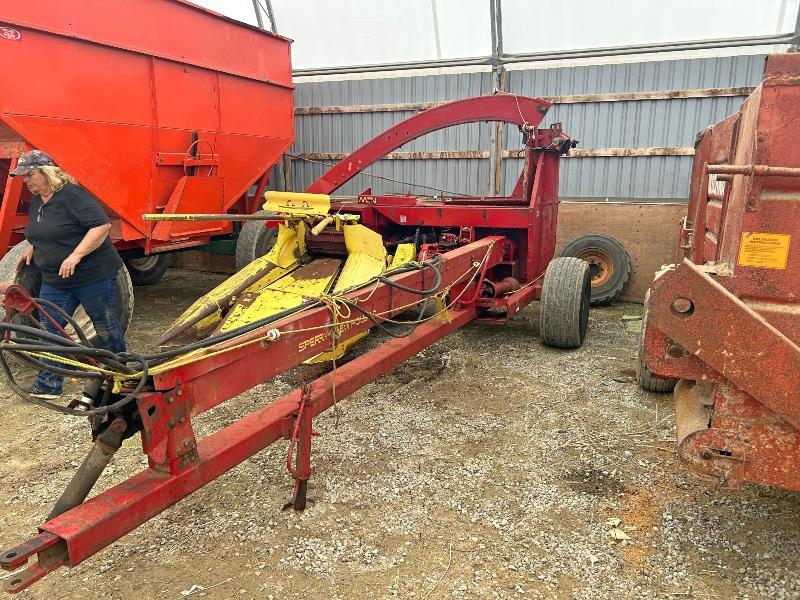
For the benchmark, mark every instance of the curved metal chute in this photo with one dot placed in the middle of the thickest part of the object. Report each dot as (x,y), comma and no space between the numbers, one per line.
(507,108)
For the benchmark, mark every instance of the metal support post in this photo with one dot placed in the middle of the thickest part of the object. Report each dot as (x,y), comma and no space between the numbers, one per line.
(301,440)
(259,18)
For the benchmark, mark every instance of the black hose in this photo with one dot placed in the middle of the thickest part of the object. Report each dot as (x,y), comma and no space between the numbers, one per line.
(101,354)
(378,323)
(40,333)
(56,344)
(437,282)
(28,332)
(68,318)
(71,411)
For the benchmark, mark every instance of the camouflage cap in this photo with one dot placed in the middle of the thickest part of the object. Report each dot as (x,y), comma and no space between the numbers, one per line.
(28,161)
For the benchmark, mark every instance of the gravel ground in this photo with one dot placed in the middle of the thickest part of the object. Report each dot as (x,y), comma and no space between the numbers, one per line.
(489,466)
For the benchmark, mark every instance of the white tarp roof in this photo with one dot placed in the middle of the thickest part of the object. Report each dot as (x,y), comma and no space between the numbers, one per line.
(354,32)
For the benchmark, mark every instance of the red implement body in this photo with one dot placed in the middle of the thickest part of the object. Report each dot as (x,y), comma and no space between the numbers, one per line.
(491,256)
(154,106)
(725,321)
(527,218)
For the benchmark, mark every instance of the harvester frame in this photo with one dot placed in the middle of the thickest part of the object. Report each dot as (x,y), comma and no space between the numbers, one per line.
(490,253)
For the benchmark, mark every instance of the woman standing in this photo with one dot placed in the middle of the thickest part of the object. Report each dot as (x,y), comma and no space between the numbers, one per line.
(68,232)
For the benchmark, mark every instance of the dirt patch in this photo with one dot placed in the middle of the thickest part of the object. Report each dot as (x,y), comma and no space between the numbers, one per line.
(594,481)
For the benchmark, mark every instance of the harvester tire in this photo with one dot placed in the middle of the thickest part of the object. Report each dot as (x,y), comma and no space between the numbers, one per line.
(147,270)
(30,278)
(609,264)
(564,305)
(254,241)
(644,377)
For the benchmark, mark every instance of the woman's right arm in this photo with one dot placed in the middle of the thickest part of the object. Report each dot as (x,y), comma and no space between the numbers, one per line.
(26,257)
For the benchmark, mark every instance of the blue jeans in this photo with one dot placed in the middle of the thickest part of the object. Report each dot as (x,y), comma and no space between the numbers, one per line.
(99,300)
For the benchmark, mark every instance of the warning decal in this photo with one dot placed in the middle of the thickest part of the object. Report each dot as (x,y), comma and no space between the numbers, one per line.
(767,250)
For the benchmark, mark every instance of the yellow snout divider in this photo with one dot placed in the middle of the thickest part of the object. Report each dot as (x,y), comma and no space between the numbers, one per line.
(287,275)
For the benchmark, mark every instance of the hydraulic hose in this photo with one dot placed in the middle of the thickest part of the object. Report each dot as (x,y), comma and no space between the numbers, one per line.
(44,341)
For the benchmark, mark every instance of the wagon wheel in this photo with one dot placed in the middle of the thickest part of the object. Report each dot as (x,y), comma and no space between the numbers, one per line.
(609,265)
(147,270)
(564,305)
(254,240)
(30,278)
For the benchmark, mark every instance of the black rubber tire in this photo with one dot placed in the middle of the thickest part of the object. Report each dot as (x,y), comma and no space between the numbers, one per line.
(564,305)
(30,278)
(254,241)
(644,377)
(608,250)
(148,270)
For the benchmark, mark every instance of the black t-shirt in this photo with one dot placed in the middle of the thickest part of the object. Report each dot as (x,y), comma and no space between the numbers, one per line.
(56,227)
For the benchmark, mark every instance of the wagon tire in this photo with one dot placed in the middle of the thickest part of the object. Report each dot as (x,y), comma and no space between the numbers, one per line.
(564,304)
(30,278)
(254,241)
(644,376)
(609,264)
(147,270)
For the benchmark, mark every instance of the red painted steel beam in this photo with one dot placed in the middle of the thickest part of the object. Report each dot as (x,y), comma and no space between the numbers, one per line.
(457,216)
(8,210)
(96,523)
(507,108)
(712,324)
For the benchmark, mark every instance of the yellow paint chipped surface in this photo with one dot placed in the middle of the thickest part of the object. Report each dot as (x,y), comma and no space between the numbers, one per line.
(297,203)
(366,258)
(309,281)
(404,254)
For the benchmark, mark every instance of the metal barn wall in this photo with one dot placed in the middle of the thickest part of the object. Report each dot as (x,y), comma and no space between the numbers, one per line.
(634,124)
(618,124)
(346,132)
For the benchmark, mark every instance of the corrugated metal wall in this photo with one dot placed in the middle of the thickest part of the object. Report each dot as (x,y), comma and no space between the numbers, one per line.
(634,124)
(628,124)
(346,132)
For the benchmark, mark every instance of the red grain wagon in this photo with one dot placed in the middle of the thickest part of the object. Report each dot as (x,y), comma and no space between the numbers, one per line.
(154,106)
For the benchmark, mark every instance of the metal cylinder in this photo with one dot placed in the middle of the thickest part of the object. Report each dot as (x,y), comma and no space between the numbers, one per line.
(759,170)
(495,289)
(106,444)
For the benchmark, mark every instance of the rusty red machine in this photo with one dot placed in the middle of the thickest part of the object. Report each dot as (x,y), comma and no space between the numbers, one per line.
(491,255)
(724,323)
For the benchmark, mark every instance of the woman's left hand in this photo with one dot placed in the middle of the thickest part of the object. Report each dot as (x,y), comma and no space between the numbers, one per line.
(68,266)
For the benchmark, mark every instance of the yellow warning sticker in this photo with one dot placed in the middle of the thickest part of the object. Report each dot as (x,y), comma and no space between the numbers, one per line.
(766,250)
